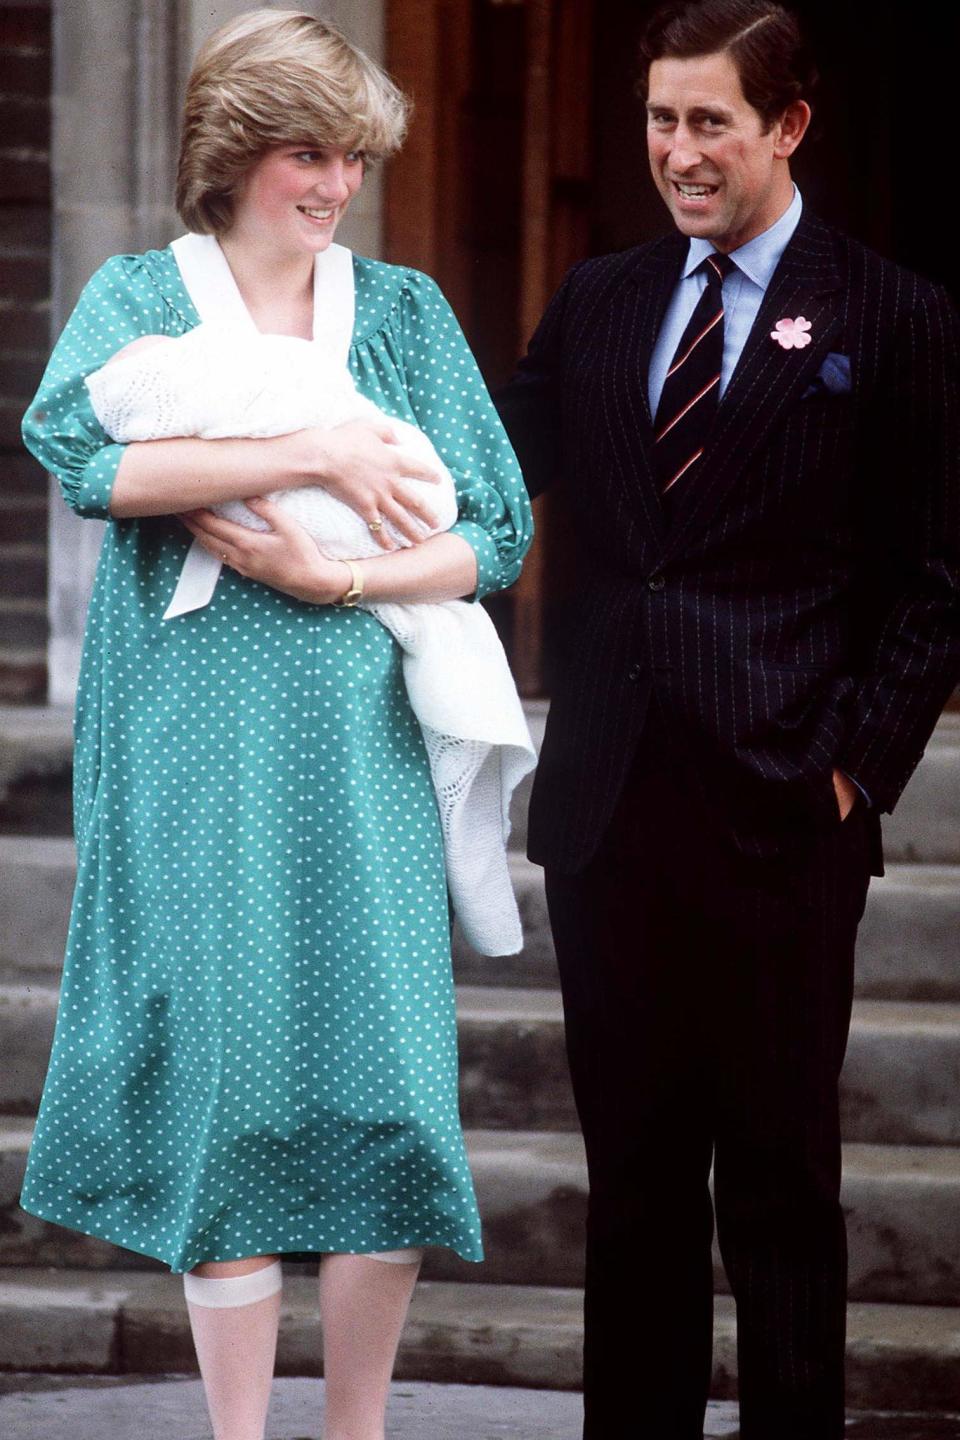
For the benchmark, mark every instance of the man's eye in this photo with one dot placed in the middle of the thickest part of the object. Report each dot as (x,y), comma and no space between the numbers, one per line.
(658,118)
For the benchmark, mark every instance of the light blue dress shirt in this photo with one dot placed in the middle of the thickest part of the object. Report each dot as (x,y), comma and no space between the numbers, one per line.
(743,292)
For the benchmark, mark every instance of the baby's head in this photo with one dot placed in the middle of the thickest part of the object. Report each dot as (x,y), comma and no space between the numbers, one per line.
(145,342)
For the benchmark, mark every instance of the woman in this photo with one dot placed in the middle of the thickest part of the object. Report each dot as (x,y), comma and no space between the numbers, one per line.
(255,1052)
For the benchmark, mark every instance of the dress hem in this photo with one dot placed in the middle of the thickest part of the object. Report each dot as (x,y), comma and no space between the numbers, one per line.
(45,1207)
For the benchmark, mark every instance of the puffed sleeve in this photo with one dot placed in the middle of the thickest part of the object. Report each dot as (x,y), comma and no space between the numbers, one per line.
(453,407)
(118,304)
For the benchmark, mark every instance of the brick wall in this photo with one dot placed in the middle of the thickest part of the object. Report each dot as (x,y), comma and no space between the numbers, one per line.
(25,81)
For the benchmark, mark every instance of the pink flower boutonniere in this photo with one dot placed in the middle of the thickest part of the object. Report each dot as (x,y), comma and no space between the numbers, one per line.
(792,334)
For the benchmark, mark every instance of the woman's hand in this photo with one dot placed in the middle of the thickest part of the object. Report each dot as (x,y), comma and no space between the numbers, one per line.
(362,464)
(284,557)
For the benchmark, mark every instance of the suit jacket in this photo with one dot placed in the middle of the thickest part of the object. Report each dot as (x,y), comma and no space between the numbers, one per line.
(799,607)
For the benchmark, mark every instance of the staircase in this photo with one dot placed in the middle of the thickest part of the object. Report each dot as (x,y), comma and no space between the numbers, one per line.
(68,1302)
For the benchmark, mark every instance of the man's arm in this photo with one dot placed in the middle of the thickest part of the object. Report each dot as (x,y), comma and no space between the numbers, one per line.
(915,474)
(529,404)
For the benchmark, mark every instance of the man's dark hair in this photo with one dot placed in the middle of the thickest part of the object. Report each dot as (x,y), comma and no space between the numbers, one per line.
(762,38)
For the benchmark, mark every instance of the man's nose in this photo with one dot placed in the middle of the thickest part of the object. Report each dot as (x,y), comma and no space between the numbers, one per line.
(685,154)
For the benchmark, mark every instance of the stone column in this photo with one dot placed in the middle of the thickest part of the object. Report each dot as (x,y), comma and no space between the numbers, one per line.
(119,70)
(115,104)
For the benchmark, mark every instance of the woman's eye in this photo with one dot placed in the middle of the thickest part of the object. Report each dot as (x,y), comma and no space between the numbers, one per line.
(354,157)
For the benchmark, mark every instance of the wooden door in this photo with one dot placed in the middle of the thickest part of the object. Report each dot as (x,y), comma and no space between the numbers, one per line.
(491,195)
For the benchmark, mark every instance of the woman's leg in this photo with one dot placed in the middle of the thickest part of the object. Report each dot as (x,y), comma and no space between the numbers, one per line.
(363,1305)
(234,1309)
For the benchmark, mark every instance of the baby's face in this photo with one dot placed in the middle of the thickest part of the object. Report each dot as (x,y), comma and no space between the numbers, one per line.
(145,342)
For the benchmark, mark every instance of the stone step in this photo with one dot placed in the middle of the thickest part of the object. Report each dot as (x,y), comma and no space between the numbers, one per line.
(899,1087)
(900,1083)
(898,1357)
(925,827)
(36,765)
(23,673)
(35,741)
(907,947)
(902,1205)
(37,875)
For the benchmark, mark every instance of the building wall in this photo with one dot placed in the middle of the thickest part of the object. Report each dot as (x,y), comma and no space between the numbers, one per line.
(24,327)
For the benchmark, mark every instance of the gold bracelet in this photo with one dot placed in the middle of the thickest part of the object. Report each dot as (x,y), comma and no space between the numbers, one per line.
(354,595)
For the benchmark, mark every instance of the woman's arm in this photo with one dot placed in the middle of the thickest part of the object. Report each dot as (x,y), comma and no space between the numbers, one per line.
(484,549)
(444,567)
(359,463)
(100,479)
(452,405)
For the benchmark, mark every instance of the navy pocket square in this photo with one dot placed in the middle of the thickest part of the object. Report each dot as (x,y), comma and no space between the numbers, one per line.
(833,377)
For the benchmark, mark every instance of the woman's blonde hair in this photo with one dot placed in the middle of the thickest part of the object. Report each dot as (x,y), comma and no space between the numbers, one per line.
(276,77)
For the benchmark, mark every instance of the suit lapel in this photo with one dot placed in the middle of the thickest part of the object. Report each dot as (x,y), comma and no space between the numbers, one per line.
(632,320)
(768,379)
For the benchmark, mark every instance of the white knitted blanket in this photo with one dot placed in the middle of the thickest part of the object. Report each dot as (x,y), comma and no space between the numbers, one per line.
(224,379)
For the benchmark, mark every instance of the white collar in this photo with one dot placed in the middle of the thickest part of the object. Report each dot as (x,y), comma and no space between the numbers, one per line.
(209,282)
(760,256)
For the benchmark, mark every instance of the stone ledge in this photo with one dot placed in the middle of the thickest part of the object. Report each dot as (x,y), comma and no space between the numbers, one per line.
(902,1205)
(898,1357)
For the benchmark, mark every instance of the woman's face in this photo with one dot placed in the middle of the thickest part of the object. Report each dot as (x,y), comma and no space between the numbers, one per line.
(294,197)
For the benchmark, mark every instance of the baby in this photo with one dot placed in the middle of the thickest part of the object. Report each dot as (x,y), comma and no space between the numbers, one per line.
(220,381)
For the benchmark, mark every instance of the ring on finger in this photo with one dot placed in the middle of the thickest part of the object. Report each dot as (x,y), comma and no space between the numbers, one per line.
(223,557)
(375,526)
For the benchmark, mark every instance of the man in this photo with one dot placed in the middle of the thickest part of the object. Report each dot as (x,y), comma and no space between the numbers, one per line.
(756,422)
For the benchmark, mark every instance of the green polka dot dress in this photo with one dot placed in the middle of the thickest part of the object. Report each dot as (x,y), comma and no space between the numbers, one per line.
(256,1046)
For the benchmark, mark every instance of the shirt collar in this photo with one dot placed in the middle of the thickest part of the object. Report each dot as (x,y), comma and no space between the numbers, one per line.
(760,256)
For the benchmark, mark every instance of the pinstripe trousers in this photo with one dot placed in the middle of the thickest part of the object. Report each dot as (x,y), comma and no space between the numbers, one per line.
(707,1000)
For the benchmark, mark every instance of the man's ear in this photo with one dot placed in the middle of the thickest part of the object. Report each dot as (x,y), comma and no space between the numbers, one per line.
(791,128)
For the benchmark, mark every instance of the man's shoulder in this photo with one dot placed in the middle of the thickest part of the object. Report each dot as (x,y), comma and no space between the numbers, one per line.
(606,271)
(592,286)
(884,282)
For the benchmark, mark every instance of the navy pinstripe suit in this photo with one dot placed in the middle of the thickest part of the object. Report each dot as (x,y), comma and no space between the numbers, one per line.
(799,610)
(796,608)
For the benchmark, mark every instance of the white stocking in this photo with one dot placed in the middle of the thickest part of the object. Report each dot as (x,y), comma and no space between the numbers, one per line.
(234,1322)
(363,1306)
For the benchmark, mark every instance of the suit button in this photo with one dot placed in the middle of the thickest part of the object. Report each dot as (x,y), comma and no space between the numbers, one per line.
(656,582)
(634,672)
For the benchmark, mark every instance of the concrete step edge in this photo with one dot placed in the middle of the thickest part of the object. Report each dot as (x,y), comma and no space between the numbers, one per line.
(532,1005)
(48,850)
(902,1205)
(898,1356)
(946,734)
(562,1150)
(539,1005)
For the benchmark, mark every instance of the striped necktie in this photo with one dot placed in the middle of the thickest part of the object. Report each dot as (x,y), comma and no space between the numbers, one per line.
(691,390)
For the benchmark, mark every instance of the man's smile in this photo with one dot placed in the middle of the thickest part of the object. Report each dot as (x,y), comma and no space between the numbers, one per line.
(689,190)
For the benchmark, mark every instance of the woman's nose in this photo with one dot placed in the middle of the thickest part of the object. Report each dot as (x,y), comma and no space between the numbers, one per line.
(334,182)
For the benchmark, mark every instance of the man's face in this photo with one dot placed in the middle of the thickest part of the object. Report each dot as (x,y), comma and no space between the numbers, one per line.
(723,178)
